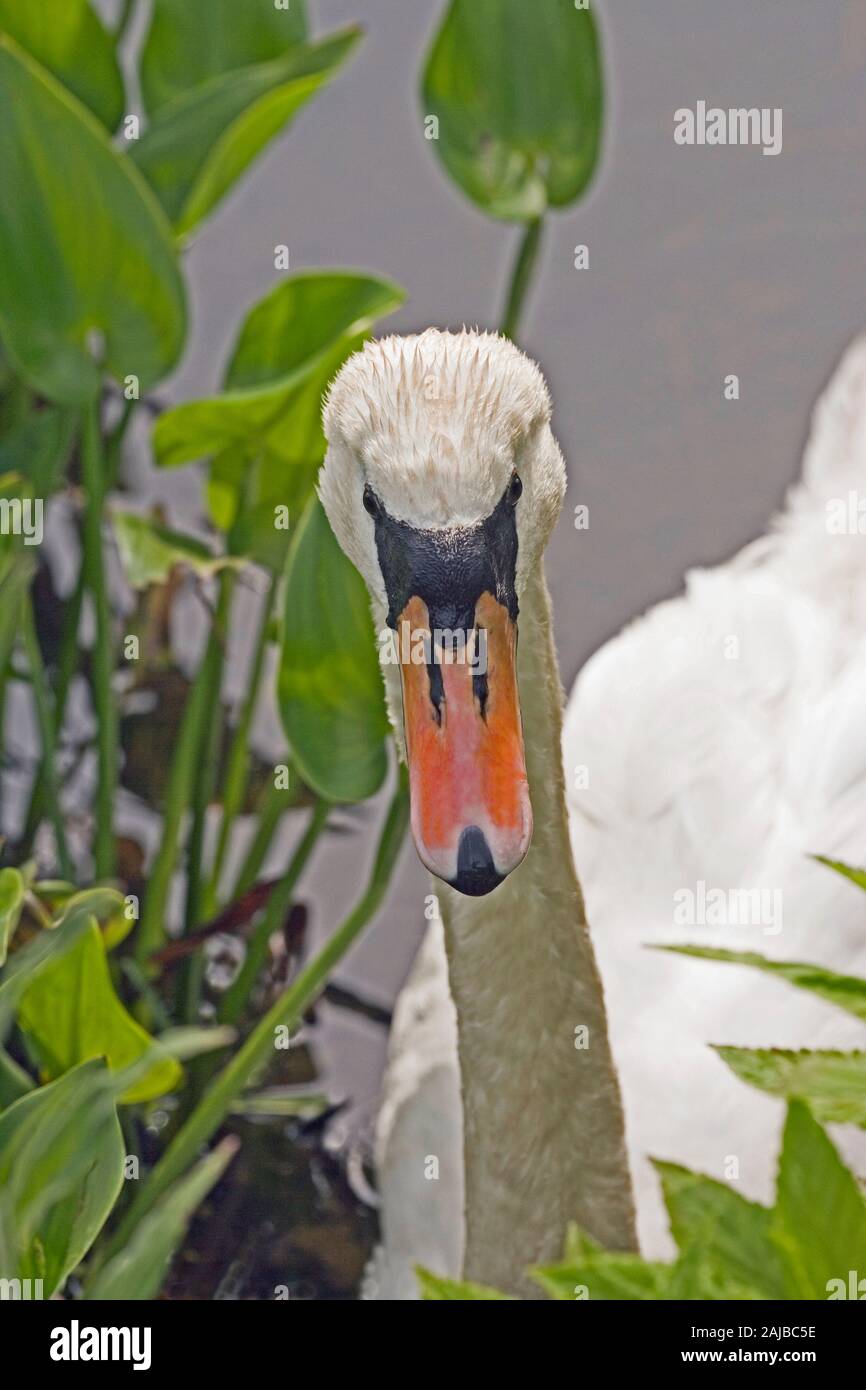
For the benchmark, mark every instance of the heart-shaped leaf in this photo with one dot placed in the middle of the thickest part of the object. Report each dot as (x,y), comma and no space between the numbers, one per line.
(87,262)
(264,433)
(70,1012)
(330,687)
(517,93)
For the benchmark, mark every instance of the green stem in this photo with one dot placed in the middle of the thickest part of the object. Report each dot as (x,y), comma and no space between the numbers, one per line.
(201,703)
(274,803)
(126,13)
(235,998)
(287,1012)
(66,667)
(103,663)
(45,717)
(521,276)
(237,771)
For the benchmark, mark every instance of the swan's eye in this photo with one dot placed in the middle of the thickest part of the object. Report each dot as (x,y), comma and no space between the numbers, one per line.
(515,489)
(371,504)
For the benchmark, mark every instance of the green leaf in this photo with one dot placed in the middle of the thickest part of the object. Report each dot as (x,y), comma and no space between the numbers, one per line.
(604,1276)
(138,1271)
(819,1221)
(833,1084)
(847,992)
(517,90)
(68,39)
(330,687)
(70,1012)
(11,903)
(14,1080)
(191,41)
(61,1169)
(149,551)
(857,876)
(202,142)
(436,1289)
(84,248)
(37,449)
(732,1233)
(264,433)
(28,962)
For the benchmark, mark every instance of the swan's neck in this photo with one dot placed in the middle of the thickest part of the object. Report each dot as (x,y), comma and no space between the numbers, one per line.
(543,1125)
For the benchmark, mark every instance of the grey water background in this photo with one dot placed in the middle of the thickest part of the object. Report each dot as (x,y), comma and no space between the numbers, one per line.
(702,262)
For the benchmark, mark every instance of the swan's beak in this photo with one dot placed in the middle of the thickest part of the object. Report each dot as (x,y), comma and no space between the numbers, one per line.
(471,814)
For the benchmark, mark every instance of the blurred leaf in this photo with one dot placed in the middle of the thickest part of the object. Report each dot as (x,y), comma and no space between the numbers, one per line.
(605,1276)
(11,903)
(70,1013)
(138,1271)
(264,433)
(435,1289)
(732,1233)
(517,90)
(819,1221)
(857,876)
(201,143)
(833,1084)
(61,1169)
(14,1081)
(25,965)
(68,39)
(279,1101)
(192,40)
(37,448)
(84,248)
(187,1042)
(847,992)
(149,551)
(330,687)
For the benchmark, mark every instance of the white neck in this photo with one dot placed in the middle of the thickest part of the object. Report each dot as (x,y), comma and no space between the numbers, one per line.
(542,1117)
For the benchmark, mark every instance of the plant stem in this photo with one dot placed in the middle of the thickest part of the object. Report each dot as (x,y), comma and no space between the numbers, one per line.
(237,771)
(103,664)
(235,998)
(201,703)
(126,13)
(67,663)
(286,1012)
(45,717)
(521,275)
(271,808)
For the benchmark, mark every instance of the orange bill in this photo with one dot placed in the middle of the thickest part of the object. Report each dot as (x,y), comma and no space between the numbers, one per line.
(471,814)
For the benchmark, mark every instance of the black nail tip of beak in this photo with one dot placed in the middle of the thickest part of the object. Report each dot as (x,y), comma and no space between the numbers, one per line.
(476,872)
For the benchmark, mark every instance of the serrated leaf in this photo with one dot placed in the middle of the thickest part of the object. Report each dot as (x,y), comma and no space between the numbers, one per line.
(833,1084)
(436,1289)
(85,252)
(819,1220)
(847,992)
(732,1233)
(68,39)
(856,876)
(517,91)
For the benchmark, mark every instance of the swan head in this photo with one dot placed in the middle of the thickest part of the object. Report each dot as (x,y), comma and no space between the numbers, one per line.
(442,482)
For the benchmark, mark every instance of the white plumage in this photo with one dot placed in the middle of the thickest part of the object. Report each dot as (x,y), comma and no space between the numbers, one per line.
(717,741)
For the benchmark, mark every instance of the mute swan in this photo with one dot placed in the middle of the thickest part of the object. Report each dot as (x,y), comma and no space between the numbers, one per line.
(442,482)
(710,746)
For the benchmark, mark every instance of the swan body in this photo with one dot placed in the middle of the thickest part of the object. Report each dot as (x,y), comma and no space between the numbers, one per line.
(713,745)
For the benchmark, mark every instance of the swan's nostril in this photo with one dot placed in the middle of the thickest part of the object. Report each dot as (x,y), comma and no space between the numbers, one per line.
(476,872)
